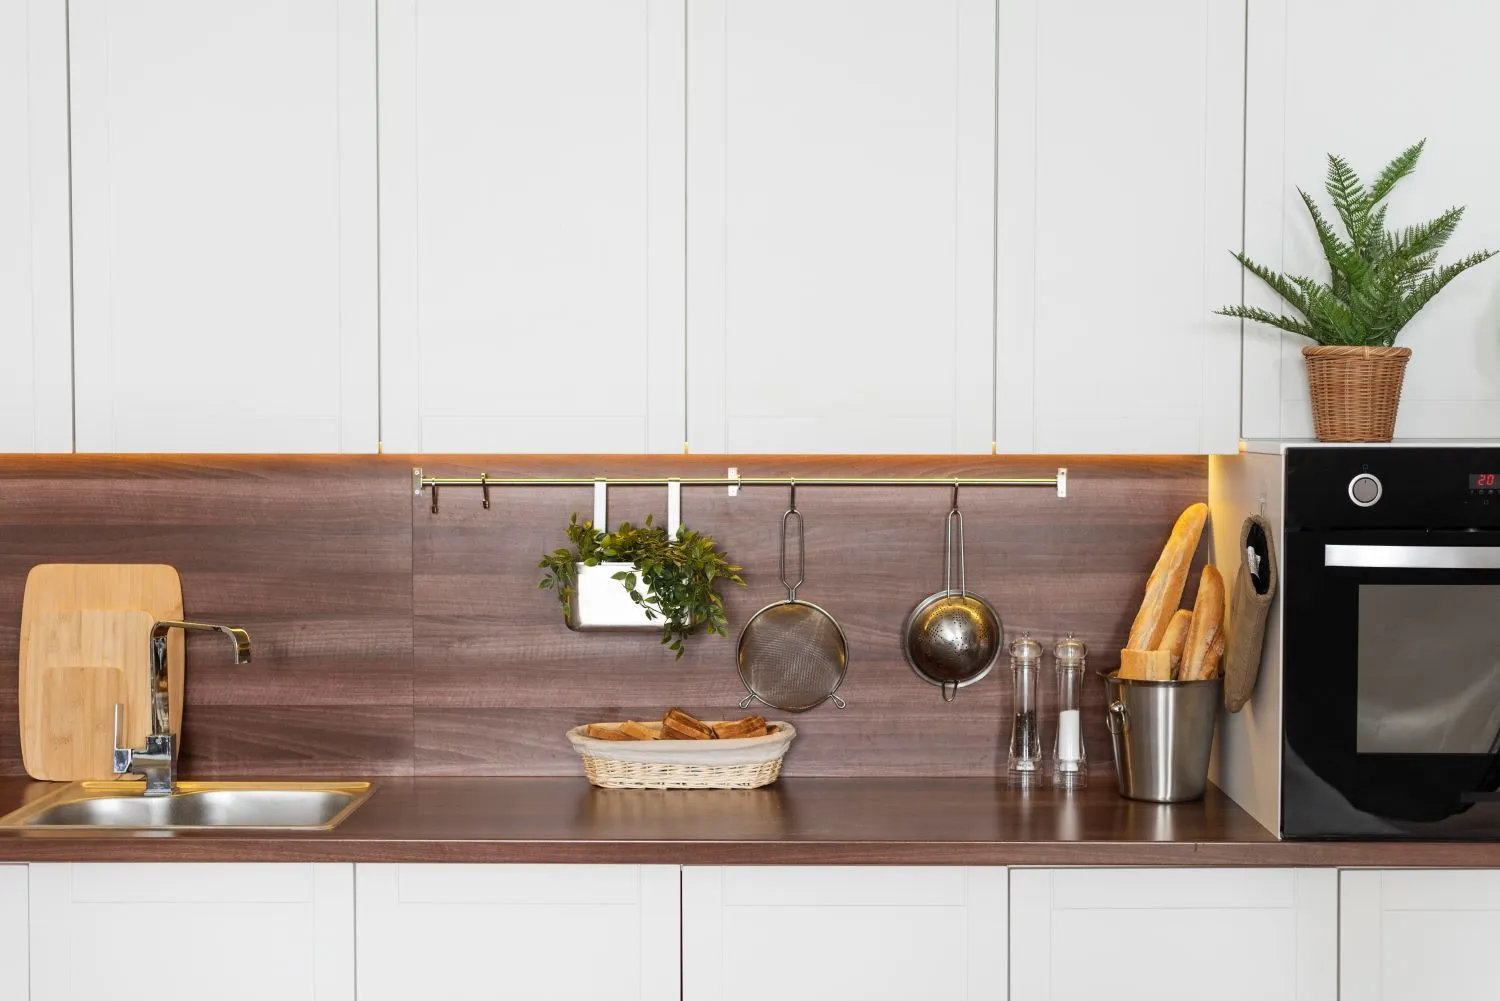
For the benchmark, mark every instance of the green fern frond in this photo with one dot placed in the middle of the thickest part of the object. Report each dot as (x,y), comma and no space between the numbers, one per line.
(1281,285)
(1349,200)
(1290,323)
(1402,166)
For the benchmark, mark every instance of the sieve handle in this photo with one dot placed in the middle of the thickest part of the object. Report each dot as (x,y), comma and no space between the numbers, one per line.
(786,519)
(1118,718)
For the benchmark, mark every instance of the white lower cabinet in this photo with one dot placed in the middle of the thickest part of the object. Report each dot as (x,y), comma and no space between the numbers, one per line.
(867,932)
(13,937)
(187,931)
(538,932)
(1174,934)
(1409,935)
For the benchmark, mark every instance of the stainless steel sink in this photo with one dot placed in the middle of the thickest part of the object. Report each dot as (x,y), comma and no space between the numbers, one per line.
(217,805)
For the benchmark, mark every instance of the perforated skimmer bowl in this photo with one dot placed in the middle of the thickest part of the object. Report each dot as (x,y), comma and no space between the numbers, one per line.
(792,655)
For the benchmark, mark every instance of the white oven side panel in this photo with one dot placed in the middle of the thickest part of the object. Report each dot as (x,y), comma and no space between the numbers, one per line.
(1246,762)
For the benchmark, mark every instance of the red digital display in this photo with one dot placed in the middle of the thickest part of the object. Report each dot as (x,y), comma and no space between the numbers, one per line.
(1482,481)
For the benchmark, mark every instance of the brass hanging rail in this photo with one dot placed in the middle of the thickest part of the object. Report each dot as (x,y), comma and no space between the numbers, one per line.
(421,482)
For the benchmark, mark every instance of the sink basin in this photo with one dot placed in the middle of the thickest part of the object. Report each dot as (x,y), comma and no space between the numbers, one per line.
(194,805)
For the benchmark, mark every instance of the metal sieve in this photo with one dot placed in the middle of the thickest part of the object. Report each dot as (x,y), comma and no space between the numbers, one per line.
(792,655)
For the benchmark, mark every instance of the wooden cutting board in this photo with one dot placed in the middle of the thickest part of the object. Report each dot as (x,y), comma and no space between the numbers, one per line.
(85,630)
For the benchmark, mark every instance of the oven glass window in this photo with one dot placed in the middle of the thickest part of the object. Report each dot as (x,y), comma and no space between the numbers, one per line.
(1429,669)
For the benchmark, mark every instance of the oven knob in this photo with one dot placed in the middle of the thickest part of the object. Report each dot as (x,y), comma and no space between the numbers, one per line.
(1365,489)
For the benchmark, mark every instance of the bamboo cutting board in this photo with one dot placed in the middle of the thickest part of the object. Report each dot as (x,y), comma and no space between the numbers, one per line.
(85,630)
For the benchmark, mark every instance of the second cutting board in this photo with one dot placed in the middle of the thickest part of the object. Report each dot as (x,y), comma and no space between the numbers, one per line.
(84,648)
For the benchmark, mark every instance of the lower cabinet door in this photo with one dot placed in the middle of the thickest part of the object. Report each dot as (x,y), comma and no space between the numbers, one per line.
(819,933)
(1409,935)
(14,984)
(188,931)
(534,932)
(1174,934)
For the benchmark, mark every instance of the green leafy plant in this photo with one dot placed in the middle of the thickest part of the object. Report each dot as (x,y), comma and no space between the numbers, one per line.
(1380,278)
(680,575)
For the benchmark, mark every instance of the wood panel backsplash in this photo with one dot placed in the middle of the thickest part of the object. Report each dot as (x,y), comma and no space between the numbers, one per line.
(392,641)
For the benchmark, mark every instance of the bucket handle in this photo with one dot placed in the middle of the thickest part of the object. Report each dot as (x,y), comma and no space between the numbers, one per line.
(1118,718)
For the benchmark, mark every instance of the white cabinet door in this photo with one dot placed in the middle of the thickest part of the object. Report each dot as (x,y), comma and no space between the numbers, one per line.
(840,225)
(1120,184)
(1418,935)
(1174,934)
(538,932)
(531,225)
(1452,385)
(36,379)
(878,933)
(224,225)
(185,931)
(14,961)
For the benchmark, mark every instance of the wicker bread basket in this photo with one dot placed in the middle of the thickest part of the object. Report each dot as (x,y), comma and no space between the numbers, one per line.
(739,763)
(1355,391)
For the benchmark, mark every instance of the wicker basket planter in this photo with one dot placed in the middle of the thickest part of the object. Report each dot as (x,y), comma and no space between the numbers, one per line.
(740,763)
(1355,391)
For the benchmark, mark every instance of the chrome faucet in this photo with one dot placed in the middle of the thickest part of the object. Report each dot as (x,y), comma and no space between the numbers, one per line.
(157,761)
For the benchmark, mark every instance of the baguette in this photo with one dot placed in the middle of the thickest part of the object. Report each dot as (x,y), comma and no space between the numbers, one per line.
(1145,665)
(750,726)
(678,725)
(1176,635)
(1168,578)
(637,731)
(1206,629)
(603,731)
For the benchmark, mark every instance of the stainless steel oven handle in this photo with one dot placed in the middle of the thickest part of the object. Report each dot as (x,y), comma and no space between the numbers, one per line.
(1413,557)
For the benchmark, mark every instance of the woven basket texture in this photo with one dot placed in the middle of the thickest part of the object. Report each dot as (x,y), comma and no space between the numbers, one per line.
(1355,391)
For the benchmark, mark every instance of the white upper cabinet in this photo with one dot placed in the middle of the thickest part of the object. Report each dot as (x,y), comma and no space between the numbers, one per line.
(1120,185)
(532,225)
(1305,56)
(36,402)
(224,225)
(1174,934)
(840,225)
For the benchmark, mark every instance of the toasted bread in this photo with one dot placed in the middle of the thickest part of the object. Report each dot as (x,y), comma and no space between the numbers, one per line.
(750,726)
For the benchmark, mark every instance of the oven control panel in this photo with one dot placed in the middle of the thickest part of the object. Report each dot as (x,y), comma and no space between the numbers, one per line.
(1399,487)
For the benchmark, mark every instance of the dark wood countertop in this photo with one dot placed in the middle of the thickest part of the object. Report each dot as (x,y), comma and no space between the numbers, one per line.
(797,821)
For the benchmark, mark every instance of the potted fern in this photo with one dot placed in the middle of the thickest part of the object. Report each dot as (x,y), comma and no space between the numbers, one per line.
(1379,279)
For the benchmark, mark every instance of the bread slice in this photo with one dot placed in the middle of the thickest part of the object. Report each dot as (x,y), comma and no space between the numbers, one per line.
(1146,665)
(604,731)
(638,731)
(1176,635)
(678,725)
(750,726)
(1168,578)
(1205,629)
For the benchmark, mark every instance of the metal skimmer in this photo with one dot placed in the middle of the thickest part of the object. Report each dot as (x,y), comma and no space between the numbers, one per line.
(792,654)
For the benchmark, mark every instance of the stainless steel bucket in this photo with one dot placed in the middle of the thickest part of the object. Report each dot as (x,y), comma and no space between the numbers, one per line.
(1162,732)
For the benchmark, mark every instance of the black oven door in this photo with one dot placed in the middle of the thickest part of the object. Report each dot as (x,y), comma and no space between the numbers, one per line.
(1391,684)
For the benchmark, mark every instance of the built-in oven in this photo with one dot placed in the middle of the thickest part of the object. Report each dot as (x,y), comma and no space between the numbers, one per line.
(1391,643)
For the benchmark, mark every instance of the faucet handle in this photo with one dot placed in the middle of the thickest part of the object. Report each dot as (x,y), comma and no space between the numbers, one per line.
(123,755)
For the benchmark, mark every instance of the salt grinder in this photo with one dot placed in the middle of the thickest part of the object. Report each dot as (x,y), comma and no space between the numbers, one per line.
(1070,769)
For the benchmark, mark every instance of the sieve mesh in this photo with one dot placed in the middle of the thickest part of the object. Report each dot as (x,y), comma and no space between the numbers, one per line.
(792,656)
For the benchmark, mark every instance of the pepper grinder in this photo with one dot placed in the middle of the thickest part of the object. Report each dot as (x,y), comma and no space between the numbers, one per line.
(1070,769)
(1024,767)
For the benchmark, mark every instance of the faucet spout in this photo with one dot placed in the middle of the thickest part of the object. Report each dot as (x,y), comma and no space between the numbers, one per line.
(157,761)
